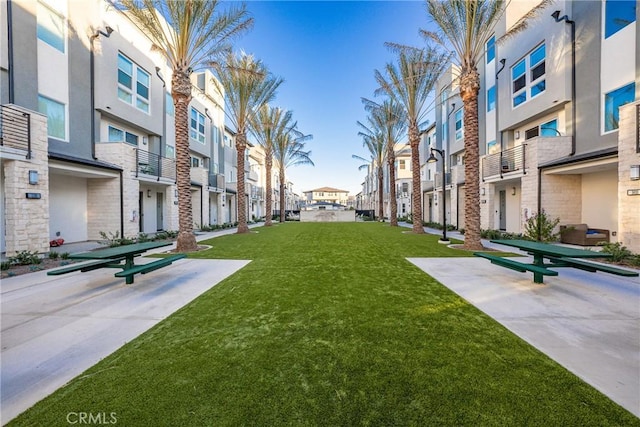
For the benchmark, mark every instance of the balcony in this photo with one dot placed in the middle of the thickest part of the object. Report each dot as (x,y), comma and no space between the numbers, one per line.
(257,193)
(447,179)
(151,164)
(216,182)
(15,132)
(507,161)
(427,185)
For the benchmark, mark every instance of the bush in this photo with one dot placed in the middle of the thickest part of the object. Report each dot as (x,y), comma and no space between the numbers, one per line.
(113,239)
(53,255)
(5,265)
(143,237)
(540,227)
(64,255)
(617,251)
(25,258)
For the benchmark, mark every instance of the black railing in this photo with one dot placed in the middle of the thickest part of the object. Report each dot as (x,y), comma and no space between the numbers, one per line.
(511,160)
(155,165)
(15,129)
(216,182)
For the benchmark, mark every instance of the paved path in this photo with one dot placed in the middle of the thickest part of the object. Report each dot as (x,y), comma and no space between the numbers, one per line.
(56,327)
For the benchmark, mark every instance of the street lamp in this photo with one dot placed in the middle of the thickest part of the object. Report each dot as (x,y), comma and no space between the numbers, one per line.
(432,159)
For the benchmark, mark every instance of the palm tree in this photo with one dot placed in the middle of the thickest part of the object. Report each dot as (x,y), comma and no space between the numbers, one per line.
(391,120)
(409,83)
(247,85)
(373,140)
(289,151)
(188,34)
(267,126)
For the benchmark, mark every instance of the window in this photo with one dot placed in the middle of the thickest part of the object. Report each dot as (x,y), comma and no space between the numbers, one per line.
(51,27)
(170,109)
(614,100)
(402,164)
(618,14)
(549,129)
(197,126)
(492,147)
(491,98)
(133,84)
(56,117)
(491,49)
(195,162)
(531,133)
(527,76)
(170,151)
(459,125)
(118,135)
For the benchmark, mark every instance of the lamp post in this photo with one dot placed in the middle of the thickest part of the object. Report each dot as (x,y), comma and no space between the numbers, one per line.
(432,159)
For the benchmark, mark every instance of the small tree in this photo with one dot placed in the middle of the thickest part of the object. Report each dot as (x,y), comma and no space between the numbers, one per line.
(541,227)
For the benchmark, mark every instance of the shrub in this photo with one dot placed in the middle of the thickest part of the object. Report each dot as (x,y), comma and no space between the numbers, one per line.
(540,227)
(25,258)
(617,251)
(53,255)
(113,239)
(143,237)
(64,255)
(5,265)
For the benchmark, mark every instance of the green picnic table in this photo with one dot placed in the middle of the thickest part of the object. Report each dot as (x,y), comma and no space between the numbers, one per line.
(558,256)
(113,257)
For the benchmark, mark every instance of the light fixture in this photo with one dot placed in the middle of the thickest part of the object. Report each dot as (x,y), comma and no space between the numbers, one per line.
(482,191)
(634,172)
(175,193)
(517,134)
(513,191)
(149,193)
(33,177)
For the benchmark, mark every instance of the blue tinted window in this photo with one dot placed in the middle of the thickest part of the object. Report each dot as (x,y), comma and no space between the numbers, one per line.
(537,88)
(518,69)
(51,27)
(549,128)
(491,98)
(618,14)
(614,100)
(537,56)
(491,49)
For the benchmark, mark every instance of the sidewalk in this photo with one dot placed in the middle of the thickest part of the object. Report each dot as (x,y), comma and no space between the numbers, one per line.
(56,327)
(587,322)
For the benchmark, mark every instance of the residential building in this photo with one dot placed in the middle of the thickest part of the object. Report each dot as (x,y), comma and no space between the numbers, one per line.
(326,194)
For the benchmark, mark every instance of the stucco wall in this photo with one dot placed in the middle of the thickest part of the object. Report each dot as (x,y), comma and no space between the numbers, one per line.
(327,216)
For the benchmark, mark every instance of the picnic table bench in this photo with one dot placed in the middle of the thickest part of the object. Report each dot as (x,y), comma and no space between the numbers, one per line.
(558,256)
(114,257)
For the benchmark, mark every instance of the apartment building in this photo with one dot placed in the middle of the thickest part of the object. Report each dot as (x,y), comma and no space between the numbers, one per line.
(558,116)
(87,130)
(326,194)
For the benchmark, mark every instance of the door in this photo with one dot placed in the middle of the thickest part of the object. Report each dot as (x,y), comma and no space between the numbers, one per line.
(159,211)
(502,210)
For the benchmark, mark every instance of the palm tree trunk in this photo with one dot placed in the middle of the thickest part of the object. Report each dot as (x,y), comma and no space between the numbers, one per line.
(380,191)
(241,146)
(181,93)
(393,200)
(268,161)
(469,87)
(282,217)
(416,206)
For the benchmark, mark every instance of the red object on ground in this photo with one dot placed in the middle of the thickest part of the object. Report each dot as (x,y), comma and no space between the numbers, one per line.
(56,242)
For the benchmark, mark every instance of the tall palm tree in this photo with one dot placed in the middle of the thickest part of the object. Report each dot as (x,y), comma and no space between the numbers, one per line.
(373,140)
(289,151)
(409,83)
(464,26)
(188,34)
(247,85)
(268,125)
(391,120)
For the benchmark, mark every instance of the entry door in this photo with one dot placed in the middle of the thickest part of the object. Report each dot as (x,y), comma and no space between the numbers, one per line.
(503,210)
(159,211)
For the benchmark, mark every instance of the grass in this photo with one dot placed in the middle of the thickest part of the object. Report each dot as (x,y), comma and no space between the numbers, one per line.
(329,325)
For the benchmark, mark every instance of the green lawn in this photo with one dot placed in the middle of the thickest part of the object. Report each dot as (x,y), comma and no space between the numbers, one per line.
(330,325)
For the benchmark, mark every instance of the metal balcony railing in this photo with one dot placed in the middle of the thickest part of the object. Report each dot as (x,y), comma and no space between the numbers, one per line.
(15,129)
(511,160)
(257,193)
(216,182)
(155,165)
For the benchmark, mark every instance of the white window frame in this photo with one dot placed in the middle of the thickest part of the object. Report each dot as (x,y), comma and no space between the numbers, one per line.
(616,114)
(126,136)
(132,96)
(44,30)
(459,124)
(531,84)
(194,132)
(491,47)
(65,124)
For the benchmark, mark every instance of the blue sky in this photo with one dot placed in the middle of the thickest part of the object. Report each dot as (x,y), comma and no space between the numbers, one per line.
(327,51)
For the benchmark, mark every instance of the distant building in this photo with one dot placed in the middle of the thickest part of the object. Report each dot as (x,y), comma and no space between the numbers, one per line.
(326,194)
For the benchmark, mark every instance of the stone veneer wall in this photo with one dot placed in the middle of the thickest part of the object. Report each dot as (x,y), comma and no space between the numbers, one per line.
(103,207)
(122,154)
(27,220)
(628,206)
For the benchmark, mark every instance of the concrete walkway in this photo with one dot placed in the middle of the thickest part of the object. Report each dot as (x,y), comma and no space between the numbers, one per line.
(587,322)
(56,327)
